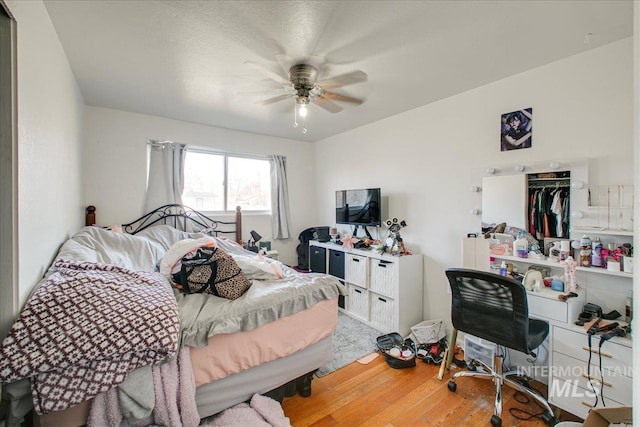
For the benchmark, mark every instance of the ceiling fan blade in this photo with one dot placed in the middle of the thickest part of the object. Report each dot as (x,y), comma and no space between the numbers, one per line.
(327,104)
(287,90)
(267,72)
(275,99)
(344,79)
(343,98)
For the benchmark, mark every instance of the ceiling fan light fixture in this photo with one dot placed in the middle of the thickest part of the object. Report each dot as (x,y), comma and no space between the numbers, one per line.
(302,110)
(304,88)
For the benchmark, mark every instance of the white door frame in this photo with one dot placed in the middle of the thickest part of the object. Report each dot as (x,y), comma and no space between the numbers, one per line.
(8,171)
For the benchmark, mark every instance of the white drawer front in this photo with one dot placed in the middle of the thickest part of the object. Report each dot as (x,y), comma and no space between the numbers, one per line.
(355,270)
(575,344)
(612,385)
(382,278)
(358,302)
(575,399)
(547,308)
(383,312)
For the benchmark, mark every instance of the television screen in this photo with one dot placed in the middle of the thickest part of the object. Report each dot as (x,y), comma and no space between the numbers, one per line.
(359,207)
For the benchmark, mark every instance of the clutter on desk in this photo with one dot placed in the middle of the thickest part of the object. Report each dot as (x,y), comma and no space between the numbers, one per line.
(585,252)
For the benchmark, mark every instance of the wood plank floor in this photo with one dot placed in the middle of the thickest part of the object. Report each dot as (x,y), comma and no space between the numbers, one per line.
(377,395)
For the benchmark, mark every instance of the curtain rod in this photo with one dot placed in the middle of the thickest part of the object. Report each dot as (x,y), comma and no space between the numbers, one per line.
(164,144)
(156,143)
(227,153)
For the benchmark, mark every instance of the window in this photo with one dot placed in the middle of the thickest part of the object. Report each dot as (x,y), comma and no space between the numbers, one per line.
(220,182)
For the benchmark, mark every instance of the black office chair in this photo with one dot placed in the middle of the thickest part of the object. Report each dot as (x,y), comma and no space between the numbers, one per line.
(494,308)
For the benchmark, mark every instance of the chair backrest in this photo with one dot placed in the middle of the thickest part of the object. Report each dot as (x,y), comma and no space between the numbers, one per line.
(490,306)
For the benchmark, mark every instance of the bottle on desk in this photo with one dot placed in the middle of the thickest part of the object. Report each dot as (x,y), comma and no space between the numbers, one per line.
(585,251)
(521,246)
(596,247)
(503,268)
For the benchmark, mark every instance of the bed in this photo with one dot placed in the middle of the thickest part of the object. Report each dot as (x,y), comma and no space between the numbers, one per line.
(269,340)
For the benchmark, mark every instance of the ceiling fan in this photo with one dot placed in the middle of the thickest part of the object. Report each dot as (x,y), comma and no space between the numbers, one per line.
(302,85)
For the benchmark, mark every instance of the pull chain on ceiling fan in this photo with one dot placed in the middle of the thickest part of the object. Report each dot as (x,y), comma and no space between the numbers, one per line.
(303,86)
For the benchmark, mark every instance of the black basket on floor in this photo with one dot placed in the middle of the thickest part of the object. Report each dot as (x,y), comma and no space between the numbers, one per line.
(393,340)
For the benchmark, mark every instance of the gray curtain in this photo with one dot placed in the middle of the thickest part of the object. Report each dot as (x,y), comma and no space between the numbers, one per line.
(165,180)
(280,212)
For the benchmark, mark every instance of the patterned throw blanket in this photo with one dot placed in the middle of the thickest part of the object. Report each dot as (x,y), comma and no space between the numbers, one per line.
(87,326)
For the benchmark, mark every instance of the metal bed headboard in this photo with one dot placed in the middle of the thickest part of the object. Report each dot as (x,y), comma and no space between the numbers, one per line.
(186,219)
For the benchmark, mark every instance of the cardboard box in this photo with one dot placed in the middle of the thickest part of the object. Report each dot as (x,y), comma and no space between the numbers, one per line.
(603,417)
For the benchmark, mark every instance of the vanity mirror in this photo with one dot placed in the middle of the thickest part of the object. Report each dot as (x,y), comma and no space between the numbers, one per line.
(536,202)
(504,200)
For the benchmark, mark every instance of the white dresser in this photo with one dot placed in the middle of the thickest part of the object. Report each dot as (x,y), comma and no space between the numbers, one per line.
(384,291)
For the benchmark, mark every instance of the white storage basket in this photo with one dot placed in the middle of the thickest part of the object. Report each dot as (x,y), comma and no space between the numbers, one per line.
(355,270)
(382,312)
(358,302)
(429,331)
(382,278)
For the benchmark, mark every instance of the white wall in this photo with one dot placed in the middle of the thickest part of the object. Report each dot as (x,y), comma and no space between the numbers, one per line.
(427,159)
(50,122)
(636,241)
(116,161)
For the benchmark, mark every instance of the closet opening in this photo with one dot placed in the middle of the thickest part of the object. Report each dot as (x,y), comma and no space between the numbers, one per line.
(548,213)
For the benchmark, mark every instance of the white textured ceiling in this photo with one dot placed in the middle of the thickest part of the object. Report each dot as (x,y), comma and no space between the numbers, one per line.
(185,60)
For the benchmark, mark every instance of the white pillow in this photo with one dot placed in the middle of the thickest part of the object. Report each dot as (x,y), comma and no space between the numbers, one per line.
(255,267)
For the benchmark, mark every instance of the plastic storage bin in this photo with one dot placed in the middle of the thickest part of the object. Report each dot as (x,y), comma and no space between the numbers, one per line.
(478,349)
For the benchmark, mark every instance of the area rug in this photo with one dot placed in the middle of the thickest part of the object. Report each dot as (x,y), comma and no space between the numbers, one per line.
(352,340)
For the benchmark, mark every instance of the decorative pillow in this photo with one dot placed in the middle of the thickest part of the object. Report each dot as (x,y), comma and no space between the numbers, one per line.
(213,271)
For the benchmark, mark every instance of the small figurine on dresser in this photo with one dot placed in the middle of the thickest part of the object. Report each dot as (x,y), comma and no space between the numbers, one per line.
(394,243)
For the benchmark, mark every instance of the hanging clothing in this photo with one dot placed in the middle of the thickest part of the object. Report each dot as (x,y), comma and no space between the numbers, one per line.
(548,211)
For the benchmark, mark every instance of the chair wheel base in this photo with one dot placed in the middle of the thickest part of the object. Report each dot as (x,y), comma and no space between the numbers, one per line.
(452,386)
(549,419)
(496,421)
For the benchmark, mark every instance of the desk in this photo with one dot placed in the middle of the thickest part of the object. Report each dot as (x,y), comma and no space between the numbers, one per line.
(566,370)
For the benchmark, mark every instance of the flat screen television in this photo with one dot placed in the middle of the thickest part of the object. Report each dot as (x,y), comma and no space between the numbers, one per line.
(359,207)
